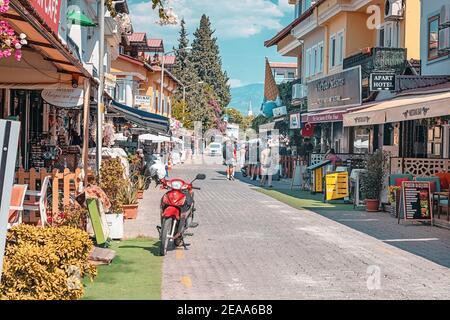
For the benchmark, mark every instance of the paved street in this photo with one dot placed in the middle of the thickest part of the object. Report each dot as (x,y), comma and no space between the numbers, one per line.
(251,246)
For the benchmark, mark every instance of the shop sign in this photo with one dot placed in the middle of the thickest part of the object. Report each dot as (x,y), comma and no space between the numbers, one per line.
(279,112)
(338,90)
(63,97)
(382,82)
(416,203)
(9,131)
(49,11)
(110,81)
(294,122)
(327,117)
(142,100)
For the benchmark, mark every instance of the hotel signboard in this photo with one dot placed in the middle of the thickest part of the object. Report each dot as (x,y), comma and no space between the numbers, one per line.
(338,90)
(382,82)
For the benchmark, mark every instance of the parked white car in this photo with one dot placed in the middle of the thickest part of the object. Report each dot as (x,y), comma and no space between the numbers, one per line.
(214,149)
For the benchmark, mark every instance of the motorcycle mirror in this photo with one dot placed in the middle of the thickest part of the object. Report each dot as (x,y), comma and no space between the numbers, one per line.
(200,176)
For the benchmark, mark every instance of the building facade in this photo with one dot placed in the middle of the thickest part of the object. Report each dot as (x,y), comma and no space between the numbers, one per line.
(338,45)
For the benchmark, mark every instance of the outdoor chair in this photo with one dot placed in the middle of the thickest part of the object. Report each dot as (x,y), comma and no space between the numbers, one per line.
(16,205)
(393,177)
(443,202)
(437,188)
(40,202)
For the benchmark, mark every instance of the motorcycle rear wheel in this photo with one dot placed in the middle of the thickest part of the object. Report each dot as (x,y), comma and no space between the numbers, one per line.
(165,236)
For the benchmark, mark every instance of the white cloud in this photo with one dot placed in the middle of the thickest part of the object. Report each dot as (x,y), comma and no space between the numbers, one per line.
(235,83)
(231,19)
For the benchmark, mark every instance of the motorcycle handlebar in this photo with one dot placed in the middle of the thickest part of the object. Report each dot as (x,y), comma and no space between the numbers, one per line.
(196,188)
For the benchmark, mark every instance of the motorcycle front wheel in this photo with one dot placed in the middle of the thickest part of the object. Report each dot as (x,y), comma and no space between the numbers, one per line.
(165,242)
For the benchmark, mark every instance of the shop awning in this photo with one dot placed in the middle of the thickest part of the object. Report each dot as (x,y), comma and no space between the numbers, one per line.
(146,120)
(154,138)
(401,109)
(77,17)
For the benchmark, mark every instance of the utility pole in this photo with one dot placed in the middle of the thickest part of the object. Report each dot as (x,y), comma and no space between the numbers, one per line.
(161,89)
(101,74)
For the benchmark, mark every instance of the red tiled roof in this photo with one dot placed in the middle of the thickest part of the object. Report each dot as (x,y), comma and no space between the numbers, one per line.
(292,65)
(286,31)
(137,37)
(169,60)
(155,43)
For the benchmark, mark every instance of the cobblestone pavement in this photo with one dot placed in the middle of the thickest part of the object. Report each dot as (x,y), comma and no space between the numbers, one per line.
(251,246)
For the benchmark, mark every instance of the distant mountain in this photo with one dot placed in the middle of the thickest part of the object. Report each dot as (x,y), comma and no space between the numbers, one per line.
(241,97)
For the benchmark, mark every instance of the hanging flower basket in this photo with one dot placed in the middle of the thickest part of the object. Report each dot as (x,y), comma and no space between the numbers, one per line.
(4,6)
(10,42)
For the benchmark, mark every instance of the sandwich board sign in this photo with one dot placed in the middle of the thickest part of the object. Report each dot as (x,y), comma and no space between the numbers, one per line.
(416,201)
(9,140)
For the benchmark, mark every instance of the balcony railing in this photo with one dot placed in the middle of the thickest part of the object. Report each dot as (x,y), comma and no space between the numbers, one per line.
(299,91)
(378,59)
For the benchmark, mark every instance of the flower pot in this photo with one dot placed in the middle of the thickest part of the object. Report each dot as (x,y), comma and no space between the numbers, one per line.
(372,205)
(115,224)
(130,211)
(140,194)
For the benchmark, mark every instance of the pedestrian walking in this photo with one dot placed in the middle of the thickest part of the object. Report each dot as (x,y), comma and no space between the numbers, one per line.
(266,165)
(229,158)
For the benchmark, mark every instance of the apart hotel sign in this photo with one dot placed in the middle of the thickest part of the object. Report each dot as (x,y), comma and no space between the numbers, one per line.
(49,11)
(339,90)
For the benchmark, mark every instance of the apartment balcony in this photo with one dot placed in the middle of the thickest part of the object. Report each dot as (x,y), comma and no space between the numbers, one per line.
(378,59)
(299,90)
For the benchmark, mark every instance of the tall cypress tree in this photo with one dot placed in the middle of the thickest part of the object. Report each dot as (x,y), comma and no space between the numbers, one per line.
(180,53)
(207,62)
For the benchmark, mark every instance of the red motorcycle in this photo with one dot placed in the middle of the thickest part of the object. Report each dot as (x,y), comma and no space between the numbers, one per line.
(177,212)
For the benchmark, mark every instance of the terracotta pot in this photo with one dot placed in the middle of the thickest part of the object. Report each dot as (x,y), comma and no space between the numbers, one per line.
(140,194)
(130,211)
(372,205)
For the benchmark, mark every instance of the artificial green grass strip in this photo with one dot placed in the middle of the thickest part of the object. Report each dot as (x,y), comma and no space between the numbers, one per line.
(304,199)
(134,274)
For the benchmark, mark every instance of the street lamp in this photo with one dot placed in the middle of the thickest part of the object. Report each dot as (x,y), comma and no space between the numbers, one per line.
(163,60)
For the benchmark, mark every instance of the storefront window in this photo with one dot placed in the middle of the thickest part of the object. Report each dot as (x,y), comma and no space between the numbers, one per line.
(362,140)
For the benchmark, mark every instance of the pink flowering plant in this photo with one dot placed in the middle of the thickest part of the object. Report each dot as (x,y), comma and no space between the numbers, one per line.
(10,42)
(4,6)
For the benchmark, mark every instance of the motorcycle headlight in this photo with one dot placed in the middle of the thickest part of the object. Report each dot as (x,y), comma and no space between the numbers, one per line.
(177,185)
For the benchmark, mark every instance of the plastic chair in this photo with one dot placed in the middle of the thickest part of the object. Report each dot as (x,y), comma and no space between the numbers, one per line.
(392,177)
(40,204)
(16,204)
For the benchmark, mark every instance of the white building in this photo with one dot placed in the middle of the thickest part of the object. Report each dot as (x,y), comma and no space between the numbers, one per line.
(232,130)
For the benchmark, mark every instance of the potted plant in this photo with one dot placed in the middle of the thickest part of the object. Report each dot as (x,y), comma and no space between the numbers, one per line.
(128,198)
(111,182)
(139,183)
(372,181)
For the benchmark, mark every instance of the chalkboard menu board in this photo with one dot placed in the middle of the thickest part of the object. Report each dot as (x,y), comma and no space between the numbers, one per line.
(416,201)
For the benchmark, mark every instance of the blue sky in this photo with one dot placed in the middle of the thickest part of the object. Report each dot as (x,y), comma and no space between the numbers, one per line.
(241,27)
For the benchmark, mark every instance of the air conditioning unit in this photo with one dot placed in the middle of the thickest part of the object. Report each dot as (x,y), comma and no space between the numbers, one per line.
(444,30)
(393,10)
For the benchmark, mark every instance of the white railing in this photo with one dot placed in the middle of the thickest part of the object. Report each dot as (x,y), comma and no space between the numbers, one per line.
(299,91)
(418,166)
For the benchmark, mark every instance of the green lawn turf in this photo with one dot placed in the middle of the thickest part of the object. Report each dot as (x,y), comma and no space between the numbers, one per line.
(304,199)
(134,274)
